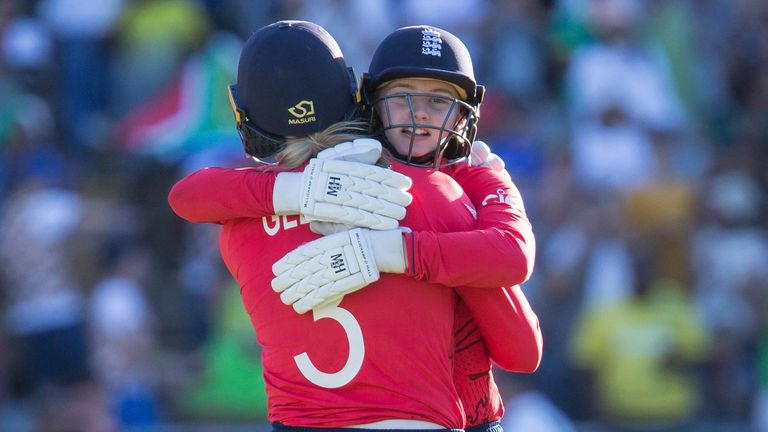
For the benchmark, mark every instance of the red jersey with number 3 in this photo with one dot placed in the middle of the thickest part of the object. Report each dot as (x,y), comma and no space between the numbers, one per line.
(384,352)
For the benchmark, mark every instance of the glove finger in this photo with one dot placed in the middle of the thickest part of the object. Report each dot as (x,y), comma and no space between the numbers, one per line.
(346,286)
(480,153)
(387,209)
(294,293)
(330,293)
(496,163)
(356,191)
(301,307)
(320,296)
(369,172)
(319,276)
(353,202)
(361,150)
(297,273)
(327,228)
(358,217)
(303,288)
(380,192)
(308,251)
(282,282)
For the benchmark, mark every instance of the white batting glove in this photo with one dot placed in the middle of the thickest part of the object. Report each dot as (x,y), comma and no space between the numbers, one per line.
(481,156)
(362,150)
(346,192)
(328,228)
(326,269)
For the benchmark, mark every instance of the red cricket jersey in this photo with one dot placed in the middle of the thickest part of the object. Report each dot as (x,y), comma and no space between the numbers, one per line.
(500,249)
(385,353)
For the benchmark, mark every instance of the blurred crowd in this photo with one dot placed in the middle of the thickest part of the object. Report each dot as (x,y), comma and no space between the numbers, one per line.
(635,129)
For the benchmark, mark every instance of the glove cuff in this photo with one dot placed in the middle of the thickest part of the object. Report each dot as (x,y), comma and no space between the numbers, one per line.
(286,193)
(388,250)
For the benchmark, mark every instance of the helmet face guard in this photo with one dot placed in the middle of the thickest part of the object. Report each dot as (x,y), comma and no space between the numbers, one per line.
(424,52)
(451,137)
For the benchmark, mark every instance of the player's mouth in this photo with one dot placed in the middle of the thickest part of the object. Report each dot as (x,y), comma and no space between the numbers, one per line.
(417,132)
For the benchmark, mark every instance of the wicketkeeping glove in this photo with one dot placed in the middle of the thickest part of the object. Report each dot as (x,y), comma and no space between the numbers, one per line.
(326,269)
(351,191)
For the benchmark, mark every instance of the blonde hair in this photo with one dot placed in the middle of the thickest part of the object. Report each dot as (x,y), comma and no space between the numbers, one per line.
(298,150)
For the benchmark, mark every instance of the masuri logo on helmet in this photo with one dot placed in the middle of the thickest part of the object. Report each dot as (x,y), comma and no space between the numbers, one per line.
(301,110)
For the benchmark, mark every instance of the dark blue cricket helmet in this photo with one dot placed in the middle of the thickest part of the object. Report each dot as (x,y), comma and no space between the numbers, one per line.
(292,80)
(426,52)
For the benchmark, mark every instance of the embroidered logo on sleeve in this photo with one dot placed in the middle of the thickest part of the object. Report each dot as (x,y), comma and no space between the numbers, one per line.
(504,197)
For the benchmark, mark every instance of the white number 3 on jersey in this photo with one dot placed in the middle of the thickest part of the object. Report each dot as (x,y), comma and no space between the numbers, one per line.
(356,349)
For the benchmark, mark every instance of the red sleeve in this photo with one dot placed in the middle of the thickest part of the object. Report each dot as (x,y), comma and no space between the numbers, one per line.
(500,252)
(472,373)
(509,326)
(216,195)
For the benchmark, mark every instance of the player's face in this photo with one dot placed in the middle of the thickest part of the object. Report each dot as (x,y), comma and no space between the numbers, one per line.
(414,110)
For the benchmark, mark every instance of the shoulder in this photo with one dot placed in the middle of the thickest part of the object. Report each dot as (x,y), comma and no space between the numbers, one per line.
(439,203)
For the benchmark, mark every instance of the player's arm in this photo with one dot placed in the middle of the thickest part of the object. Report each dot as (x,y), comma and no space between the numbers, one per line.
(509,326)
(329,187)
(472,372)
(490,325)
(500,252)
(217,195)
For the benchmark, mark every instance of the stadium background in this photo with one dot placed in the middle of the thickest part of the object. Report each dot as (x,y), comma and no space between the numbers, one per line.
(636,130)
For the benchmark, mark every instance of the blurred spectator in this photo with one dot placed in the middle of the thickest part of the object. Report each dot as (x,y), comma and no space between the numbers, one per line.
(608,269)
(619,91)
(730,250)
(81,29)
(641,351)
(25,113)
(662,211)
(122,332)
(358,26)
(730,256)
(44,304)
(527,409)
(518,68)
(27,44)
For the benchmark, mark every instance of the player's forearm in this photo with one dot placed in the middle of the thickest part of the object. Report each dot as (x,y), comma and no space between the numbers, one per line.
(487,258)
(500,252)
(509,326)
(472,374)
(216,195)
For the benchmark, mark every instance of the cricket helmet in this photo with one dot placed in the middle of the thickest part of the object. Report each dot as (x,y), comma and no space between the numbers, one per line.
(292,80)
(433,53)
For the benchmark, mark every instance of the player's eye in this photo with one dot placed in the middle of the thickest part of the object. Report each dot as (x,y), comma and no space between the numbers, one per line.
(438,100)
(399,99)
